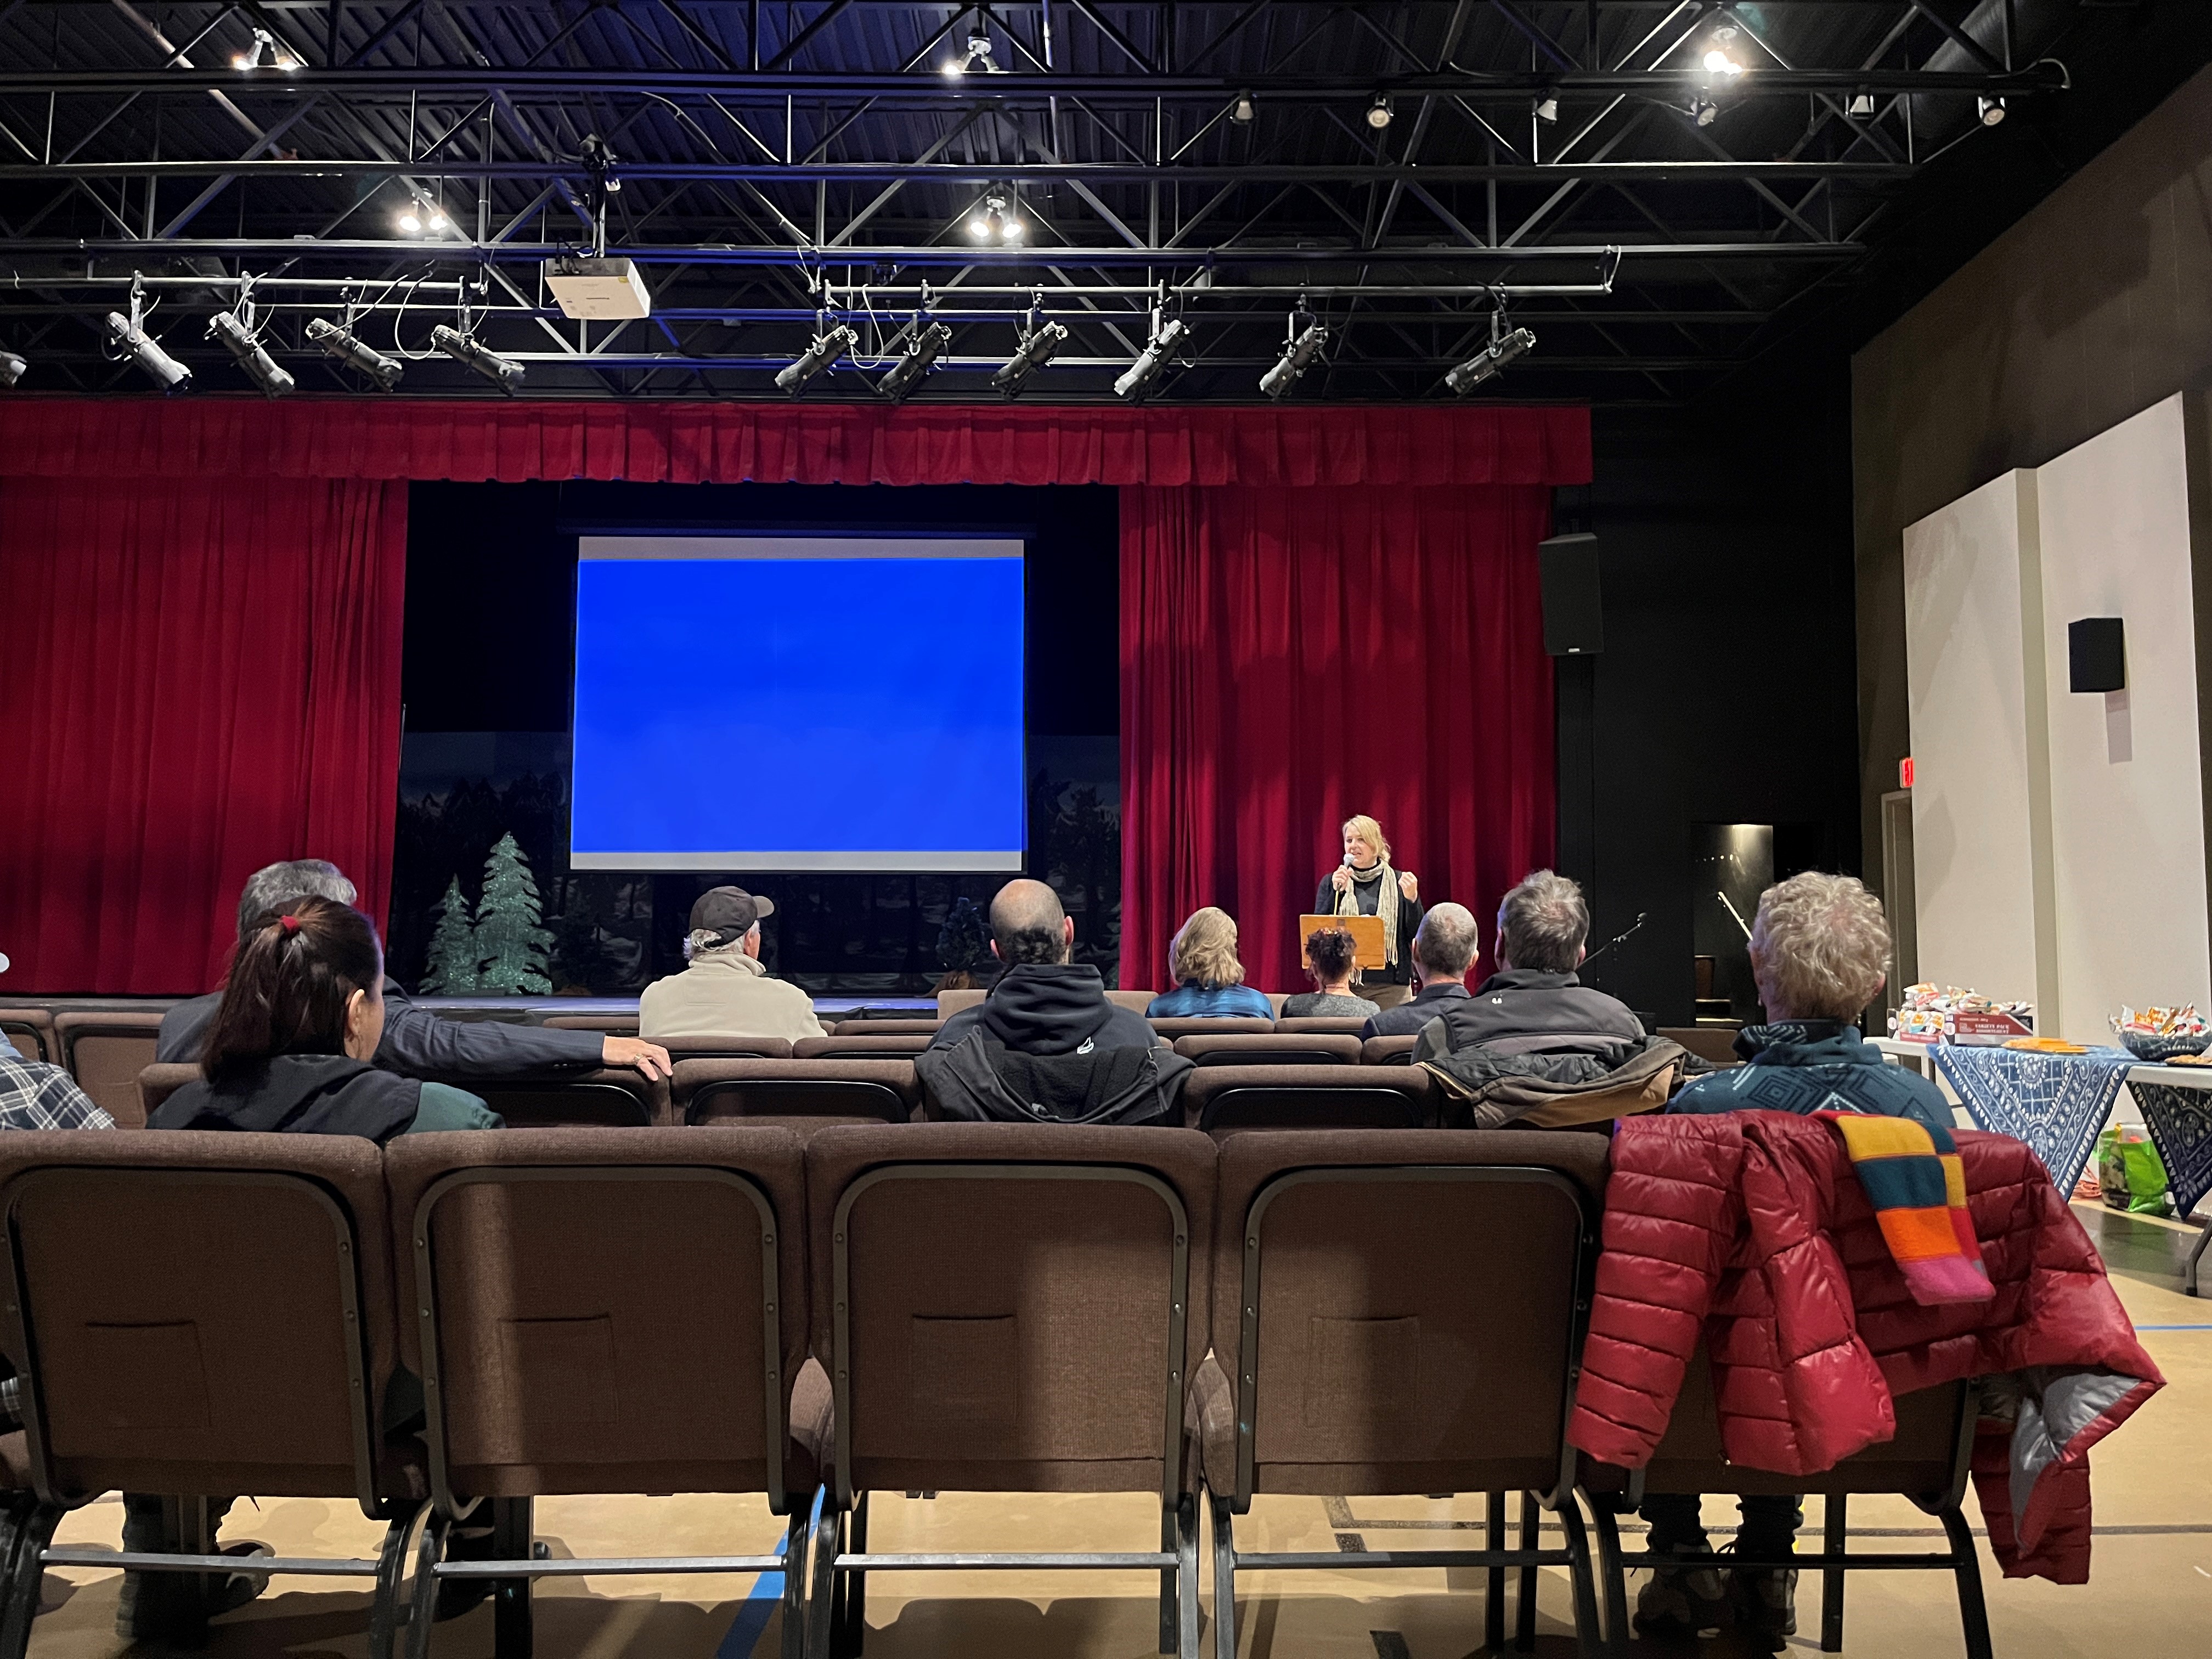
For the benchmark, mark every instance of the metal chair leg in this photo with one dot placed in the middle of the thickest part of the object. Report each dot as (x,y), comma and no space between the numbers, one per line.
(1493,1602)
(1588,1638)
(26,1571)
(390,1574)
(1224,1581)
(1612,1580)
(794,1582)
(1187,1577)
(828,1537)
(1524,1611)
(423,1610)
(1835,1535)
(1973,1614)
(2189,1266)
(512,1540)
(1170,1614)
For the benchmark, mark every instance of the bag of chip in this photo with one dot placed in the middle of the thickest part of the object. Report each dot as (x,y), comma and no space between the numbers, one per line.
(2130,1171)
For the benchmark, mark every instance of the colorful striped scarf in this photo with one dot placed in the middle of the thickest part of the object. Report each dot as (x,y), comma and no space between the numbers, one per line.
(1914,1179)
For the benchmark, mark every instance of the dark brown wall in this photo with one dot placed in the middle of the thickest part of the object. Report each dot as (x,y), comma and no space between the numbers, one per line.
(2092,308)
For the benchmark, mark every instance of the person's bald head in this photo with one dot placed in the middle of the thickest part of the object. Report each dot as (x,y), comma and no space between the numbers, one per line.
(1028,925)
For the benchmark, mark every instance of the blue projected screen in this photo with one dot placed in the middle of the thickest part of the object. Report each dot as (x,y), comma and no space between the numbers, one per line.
(798,704)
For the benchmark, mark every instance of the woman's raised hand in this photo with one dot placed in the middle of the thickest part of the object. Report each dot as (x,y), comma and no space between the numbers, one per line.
(1341,877)
(1408,885)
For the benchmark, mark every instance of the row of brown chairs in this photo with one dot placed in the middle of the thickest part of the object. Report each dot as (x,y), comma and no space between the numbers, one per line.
(104,1049)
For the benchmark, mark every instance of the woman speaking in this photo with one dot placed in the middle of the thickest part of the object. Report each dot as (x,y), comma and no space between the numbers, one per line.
(1365,884)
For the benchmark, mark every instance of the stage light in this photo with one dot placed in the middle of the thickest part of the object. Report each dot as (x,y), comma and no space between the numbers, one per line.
(1150,361)
(499,371)
(1705,111)
(1547,108)
(979,52)
(826,350)
(1720,59)
(264,54)
(1243,112)
(411,222)
(260,368)
(996,220)
(348,350)
(129,340)
(1034,353)
(11,366)
(1298,357)
(1992,109)
(906,374)
(1860,107)
(1380,113)
(1490,360)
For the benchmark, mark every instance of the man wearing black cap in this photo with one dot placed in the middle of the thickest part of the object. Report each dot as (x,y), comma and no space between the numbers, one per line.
(726,992)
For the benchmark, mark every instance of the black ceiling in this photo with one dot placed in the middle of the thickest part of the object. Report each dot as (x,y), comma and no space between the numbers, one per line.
(783,166)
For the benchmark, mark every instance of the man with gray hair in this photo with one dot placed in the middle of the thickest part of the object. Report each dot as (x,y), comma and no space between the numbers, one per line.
(416,1042)
(1535,1003)
(1444,948)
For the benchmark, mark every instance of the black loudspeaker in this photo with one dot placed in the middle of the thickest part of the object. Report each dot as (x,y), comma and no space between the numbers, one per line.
(2097,654)
(1574,615)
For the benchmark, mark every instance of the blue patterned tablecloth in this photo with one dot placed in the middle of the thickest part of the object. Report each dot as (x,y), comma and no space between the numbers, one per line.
(2055,1103)
(2180,1119)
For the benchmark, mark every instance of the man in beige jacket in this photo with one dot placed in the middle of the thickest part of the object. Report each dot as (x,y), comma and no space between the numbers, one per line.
(726,992)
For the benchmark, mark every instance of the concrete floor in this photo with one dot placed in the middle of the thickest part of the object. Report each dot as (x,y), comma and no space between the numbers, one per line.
(2150,1592)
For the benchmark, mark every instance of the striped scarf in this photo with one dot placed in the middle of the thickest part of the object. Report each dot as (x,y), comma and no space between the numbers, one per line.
(1384,880)
(1913,1178)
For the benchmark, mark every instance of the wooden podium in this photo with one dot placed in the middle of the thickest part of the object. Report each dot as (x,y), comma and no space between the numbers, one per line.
(1366,937)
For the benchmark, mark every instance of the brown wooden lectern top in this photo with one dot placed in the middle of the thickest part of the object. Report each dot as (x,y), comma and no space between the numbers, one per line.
(1366,937)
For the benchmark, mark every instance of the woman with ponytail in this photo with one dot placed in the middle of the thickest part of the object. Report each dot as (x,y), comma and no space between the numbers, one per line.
(289,1048)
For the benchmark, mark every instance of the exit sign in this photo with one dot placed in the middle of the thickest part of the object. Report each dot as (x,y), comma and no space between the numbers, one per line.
(1905,772)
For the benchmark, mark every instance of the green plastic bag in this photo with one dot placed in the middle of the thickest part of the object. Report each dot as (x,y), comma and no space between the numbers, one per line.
(2130,1171)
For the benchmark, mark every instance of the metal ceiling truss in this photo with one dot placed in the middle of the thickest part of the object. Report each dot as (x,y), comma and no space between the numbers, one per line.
(1649,185)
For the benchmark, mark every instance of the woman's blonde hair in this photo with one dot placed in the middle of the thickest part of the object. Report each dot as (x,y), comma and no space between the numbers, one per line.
(1820,946)
(1205,950)
(1360,824)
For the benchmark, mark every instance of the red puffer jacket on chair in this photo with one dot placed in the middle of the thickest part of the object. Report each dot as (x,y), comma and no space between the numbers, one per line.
(1752,1230)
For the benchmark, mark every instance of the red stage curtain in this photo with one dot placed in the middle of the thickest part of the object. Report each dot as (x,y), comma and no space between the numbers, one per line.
(201,678)
(802,443)
(1289,658)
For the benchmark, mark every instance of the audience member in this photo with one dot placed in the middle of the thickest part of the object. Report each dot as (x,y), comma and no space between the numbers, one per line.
(416,1042)
(36,1095)
(290,1050)
(1819,950)
(1043,1003)
(1365,885)
(1209,980)
(1444,948)
(726,992)
(1535,1004)
(1329,954)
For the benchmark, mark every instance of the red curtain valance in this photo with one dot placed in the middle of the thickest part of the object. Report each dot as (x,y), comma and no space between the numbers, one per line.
(698,443)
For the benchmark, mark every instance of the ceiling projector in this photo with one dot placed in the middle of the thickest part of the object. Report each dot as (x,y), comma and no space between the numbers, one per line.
(598,290)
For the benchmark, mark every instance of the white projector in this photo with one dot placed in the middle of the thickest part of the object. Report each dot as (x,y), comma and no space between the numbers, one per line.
(598,290)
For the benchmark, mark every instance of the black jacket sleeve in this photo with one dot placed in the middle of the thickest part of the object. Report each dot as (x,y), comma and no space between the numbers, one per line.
(418,1043)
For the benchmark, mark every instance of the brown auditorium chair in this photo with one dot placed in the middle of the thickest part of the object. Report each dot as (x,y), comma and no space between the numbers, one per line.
(1715,1043)
(203,1314)
(31,1032)
(604,1312)
(950,1003)
(839,1091)
(157,1083)
(726,1045)
(1927,1463)
(1259,1048)
(1041,1340)
(105,1052)
(615,1096)
(1223,1098)
(1136,1001)
(859,1048)
(612,1024)
(1352,1024)
(846,1028)
(1221,1026)
(1402,1314)
(1387,1051)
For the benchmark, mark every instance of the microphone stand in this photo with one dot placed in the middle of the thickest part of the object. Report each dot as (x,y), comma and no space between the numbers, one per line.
(1614,940)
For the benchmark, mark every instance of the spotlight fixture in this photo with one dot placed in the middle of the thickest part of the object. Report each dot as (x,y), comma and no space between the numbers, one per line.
(264,54)
(11,366)
(1492,358)
(253,357)
(502,371)
(1034,353)
(827,348)
(1992,109)
(1548,107)
(128,339)
(1704,110)
(906,374)
(1861,108)
(979,52)
(1299,354)
(1243,111)
(420,215)
(1379,112)
(1720,59)
(348,348)
(1152,360)
(997,220)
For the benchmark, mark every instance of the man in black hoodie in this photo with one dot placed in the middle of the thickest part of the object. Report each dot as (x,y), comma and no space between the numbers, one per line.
(1043,1004)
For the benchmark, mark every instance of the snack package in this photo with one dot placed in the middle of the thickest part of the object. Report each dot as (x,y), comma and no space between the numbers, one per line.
(1930,1013)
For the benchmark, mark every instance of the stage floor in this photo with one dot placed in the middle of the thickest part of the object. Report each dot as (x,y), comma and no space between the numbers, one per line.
(2150,1592)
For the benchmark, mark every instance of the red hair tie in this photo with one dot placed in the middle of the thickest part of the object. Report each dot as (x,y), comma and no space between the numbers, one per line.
(290,924)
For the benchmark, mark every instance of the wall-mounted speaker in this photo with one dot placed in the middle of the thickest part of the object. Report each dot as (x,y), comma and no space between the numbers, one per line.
(1574,612)
(2096,654)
